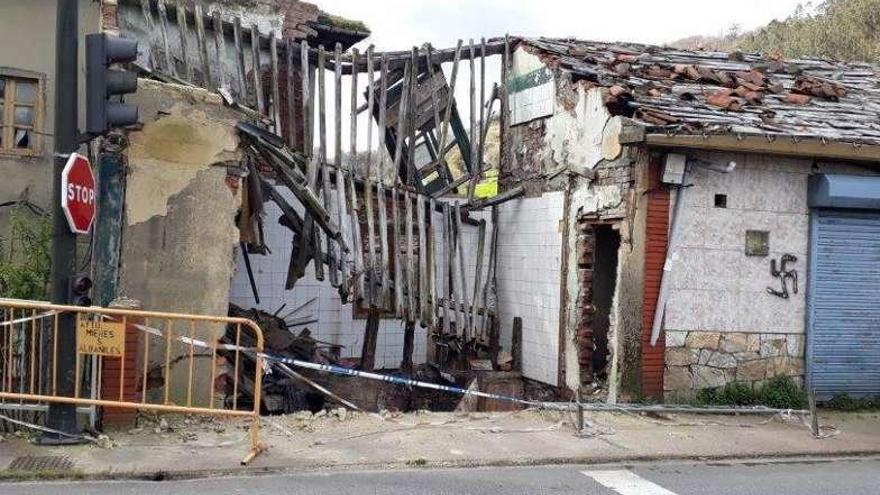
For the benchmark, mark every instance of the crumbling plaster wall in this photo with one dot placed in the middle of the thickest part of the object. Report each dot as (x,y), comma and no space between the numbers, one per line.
(576,150)
(179,232)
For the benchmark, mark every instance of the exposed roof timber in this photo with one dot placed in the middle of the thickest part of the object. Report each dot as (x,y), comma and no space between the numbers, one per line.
(325,33)
(806,148)
(397,59)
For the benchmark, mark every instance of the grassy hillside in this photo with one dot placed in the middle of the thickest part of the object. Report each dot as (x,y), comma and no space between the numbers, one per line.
(836,29)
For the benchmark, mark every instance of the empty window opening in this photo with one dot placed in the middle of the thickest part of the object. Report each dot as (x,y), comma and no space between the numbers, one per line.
(720,201)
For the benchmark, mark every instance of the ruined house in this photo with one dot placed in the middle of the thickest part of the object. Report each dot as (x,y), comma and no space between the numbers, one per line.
(718,214)
(667,221)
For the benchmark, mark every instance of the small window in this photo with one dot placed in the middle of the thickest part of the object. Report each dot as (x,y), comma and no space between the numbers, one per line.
(720,201)
(20,114)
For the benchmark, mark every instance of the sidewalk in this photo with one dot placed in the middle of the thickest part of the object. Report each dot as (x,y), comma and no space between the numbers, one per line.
(180,447)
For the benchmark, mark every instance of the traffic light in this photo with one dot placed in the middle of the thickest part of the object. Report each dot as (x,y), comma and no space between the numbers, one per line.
(79,289)
(103,83)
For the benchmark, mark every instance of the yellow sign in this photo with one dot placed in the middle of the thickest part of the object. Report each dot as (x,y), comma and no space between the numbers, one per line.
(100,337)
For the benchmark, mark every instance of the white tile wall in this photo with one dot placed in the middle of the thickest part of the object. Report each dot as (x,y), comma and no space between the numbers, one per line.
(715,286)
(336,324)
(529,275)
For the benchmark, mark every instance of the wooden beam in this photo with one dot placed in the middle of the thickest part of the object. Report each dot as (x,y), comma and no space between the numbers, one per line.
(786,146)
(276,89)
(183,30)
(202,42)
(219,47)
(239,61)
(257,66)
(163,26)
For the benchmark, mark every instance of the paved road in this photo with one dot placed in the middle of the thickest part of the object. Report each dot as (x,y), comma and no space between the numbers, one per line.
(849,477)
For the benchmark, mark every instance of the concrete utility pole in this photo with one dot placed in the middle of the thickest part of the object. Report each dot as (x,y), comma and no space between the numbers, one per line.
(62,417)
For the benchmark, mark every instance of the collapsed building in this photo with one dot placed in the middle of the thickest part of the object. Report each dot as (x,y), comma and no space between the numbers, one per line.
(667,221)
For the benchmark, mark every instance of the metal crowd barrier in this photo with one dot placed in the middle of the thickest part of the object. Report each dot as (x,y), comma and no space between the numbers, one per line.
(29,374)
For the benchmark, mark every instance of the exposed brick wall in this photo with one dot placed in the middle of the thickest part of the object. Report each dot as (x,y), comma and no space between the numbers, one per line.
(109,15)
(111,374)
(297,15)
(586,246)
(657,238)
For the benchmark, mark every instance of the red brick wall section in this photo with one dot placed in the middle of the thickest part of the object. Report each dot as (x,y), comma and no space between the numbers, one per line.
(111,373)
(655,256)
(109,17)
(586,246)
(296,18)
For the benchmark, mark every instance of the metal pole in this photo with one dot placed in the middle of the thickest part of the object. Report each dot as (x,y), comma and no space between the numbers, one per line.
(62,417)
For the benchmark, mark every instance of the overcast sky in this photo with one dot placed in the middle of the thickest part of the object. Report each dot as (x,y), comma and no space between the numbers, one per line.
(400,24)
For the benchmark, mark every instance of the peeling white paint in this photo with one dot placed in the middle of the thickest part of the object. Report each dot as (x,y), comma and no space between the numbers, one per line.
(576,138)
(168,153)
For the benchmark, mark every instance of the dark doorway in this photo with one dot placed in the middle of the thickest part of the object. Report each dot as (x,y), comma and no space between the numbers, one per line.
(604,280)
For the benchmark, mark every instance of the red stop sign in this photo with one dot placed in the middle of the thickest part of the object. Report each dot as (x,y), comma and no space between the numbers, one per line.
(78,194)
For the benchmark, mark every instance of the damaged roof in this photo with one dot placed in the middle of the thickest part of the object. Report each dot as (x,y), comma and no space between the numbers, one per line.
(701,92)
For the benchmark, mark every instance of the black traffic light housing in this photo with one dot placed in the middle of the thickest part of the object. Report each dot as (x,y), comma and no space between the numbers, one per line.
(103,83)
(79,290)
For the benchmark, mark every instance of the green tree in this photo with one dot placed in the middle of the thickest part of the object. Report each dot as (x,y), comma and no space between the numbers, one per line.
(836,29)
(25,256)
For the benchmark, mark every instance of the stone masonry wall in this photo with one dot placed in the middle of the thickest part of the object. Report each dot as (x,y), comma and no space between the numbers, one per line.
(700,360)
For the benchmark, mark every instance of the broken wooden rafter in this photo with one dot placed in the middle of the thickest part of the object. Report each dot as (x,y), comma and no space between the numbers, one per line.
(508,195)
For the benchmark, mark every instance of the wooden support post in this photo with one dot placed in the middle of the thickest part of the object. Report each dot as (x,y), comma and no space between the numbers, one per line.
(490,275)
(341,201)
(399,303)
(409,334)
(482,148)
(322,160)
(183,30)
(454,239)
(478,277)
(516,344)
(432,264)
(503,119)
(371,336)
(445,290)
(311,239)
(467,312)
(239,60)
(354,218)
(276,89)
(147,12)
(258,69)
(423,261)
(474,168)
(163,25)
(380,184)
(219,47)
(293,138)
(411,307)
(202,43)
(372,288)
(413,176)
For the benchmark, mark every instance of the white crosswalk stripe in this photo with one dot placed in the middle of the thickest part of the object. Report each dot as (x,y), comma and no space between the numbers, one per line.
(626,482)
